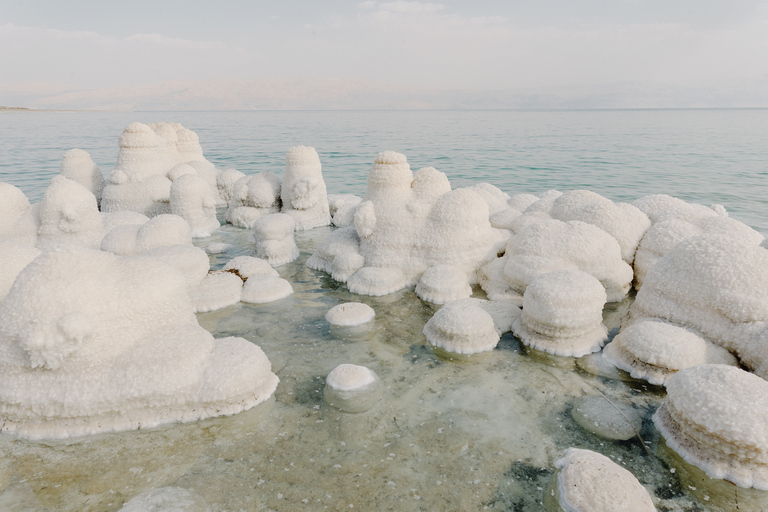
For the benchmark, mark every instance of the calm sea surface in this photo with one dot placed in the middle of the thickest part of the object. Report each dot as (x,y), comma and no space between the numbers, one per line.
(703,156)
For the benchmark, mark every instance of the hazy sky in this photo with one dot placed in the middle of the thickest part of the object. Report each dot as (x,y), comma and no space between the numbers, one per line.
(482,44)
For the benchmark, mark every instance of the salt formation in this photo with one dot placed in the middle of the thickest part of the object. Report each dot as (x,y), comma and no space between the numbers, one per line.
(69,214)
(654,350)
(191,152)
(342,208)
(349,314)
(563,314)
(351,388)
(407,223)
(246,267)
(660,206)
(463,327)
(225,182)
(273,239)
(216,291)
(303,190)
(253,197)
(443,283)
(715,417)
(193,200)
(13,205)
(607,419)
(159,231)
(714,285)
(77,165)
(545,245)
(263,289)
(589,482)
(92,342)
(166,499)
(14,257)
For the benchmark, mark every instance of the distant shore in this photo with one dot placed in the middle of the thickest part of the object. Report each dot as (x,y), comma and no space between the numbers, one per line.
(33,110)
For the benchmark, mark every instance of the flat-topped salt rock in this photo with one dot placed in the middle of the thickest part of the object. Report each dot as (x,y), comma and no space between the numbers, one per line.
(350,314)
(261,289)
(247,266)
(303,192)
(351,388)
(443,283)
(92,342)
(463,327)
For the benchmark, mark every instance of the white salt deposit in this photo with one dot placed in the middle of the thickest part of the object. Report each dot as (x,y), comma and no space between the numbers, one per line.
(218,248)
(216,291)
(443,283)
(253,197)
(225,182)
(607,419)
(377,281)
(248,266)
(591,482)
(342,208)
(715,417)
(350,313)
(303,191)
(563,314)
(660,206)
(351,388)
(193,200)
(77,165)
(462,327)
(13,205)
(14,257)
(273,239)
(166,499)
(92,342)
(262,289)
(69,214)
(160,231)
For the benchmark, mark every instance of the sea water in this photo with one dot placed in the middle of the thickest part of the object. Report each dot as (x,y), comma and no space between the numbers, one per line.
(446,435)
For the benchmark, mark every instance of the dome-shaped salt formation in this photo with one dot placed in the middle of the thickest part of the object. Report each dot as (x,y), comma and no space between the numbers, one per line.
(716,418)
(563,314)
(13,205)
(246,267)
(225,182)
(191,152)
(713,285)
(377,281)
(273,239)
(92,342)
(660,206)
(548,244)
(589,482)
(14,257)
(69,214)
(77,165)
(350,313)
(253,196)
(654,350)
(342,208)
(521,202)
(338,254)
(303,190)
(262,289)
(159,231)
(351,388)
(443,283)
(216,291)
(194,201)
(462,327)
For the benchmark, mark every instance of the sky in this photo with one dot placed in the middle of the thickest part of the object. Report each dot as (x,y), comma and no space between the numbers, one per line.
(477,45)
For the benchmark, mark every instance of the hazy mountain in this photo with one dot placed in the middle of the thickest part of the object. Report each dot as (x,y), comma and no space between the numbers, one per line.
(348,94)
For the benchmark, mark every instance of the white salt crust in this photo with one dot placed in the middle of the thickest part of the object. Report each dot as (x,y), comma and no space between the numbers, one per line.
(166,499)
(462,327)
(591,482)
(216,291)
(443,283)
(351,388)
(91,342)
(342,208)
(69,214)
(77,165)
(14,257)
(716,418)
(350,313)
(261,289)
(273,239)
(253,196)
(654,350)
(193,200)
(303,192)
(562,314)
(248,266)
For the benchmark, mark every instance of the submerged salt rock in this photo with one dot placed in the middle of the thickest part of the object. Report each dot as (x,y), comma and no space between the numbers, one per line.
(563,314)
(261,289)
(218,248)
(166,499)
(253,196)
(91,342)
(590,482)
(77,165)
(350,313)
(653,350)
(377,281)
(351,388)
(609,420)
(716,417)
(462,327)
(443,283)
(194,201)
(273,239)
(303,190)
(69,214)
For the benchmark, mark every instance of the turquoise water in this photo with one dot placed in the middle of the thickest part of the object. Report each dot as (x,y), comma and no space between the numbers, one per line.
(703,156)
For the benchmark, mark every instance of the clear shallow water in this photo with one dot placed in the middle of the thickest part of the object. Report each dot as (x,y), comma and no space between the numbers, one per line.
(445,435)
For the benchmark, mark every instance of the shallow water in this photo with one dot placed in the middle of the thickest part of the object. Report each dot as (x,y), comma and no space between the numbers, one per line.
(446,435)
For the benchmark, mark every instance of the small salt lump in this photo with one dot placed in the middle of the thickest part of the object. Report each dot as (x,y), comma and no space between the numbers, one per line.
(589,482)
(247,266)
(351,388)
(265,288)
(609,420)
(716,418)
(350,313)
(462,327)
(273,239)
(443,283)
(653,350)
(562,314)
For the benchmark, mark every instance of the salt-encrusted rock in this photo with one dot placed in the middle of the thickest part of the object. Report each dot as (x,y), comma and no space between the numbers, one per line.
(715,417)
(218,248)
(191,152)
(13,205)
(351,388)
(549,244)
(69,214)
(462,327)
(14,257)
(225,183)
(654,350)
(166,499)
(303,190)
(544,202)
(160,231)
(713,285)
(253,197)
(248,266)
(91,342)
(338,254)
(443,283)
(350,313)
(521,202)
(77,165)
(216,291)
(342,208)
(563,314)
(661,206)
(609,420)
(193,200)
(589,482)
(377,281)
(504,219)
(192,262)
(273,239)
(493,196)
(262,289)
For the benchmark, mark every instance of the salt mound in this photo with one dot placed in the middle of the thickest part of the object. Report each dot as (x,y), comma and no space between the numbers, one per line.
(216,291)
(69,214)
(159,231)
(246,267)
(265,288)
(193,200)
(77,165)
(13,205)
(350,313)
(590,482)
(253,197)
(14,257)
(342,208)
(273,239)
(225,183)
(661,206)
(303,190)
(563,314)
(351,388)
(92,342)
(443,283)
(716,418)
(653,350)
(462,327)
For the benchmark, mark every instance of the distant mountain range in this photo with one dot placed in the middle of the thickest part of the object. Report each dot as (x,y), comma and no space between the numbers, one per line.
(349,94)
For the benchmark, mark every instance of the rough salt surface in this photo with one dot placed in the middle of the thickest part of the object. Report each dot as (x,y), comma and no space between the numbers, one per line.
(261,289)
(273,239)
(303,192)
(350,313)
(166,499)
(77,165)
(716,418)
(253,197)
(351,388)
(462,327)
(607,419)
(443,283)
